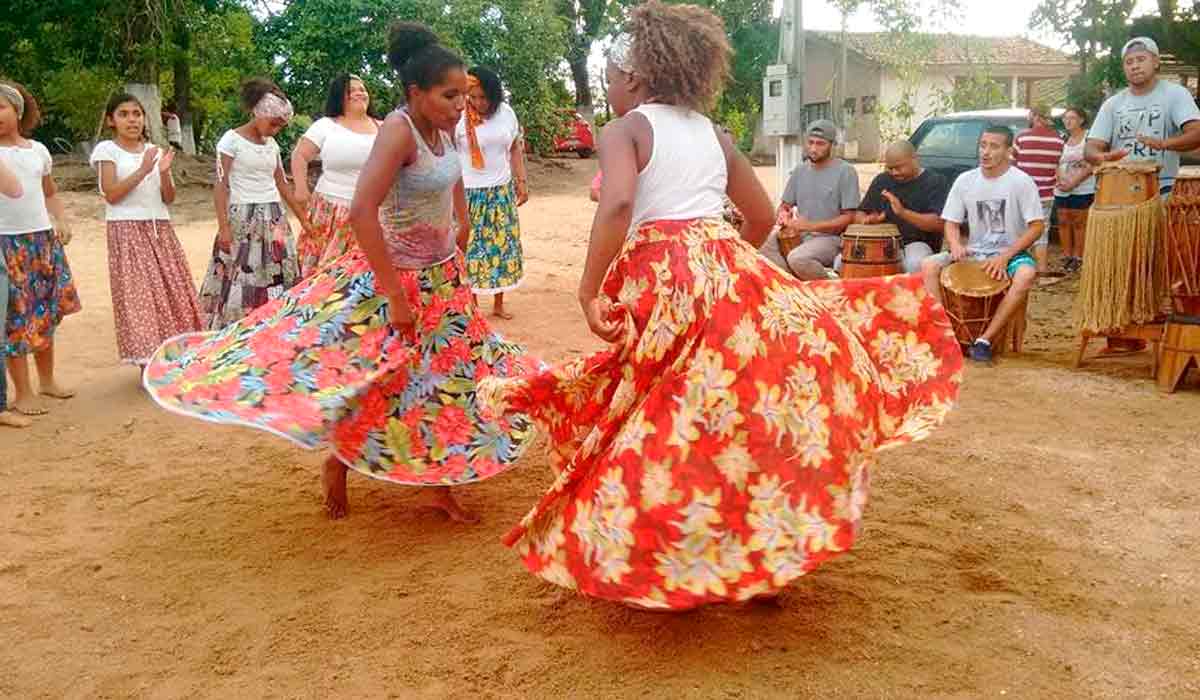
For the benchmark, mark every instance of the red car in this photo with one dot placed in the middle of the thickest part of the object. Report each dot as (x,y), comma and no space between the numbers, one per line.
(578,138)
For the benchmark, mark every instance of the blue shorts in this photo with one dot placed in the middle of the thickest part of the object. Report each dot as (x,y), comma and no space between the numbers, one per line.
(1015,263)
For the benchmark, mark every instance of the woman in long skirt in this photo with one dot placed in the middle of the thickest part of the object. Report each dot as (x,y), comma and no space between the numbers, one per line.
(493,162)
(378,354)
(341,140)
(254,256)
(721,448)
(153,295)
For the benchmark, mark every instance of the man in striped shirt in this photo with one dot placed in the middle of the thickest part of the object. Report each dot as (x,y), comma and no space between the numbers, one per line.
(1038,150)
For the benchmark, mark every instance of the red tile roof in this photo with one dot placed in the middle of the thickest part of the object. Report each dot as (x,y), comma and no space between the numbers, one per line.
(950,49)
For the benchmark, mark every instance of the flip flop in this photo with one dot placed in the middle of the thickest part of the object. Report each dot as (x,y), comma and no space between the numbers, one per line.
(61,395)
(39,411)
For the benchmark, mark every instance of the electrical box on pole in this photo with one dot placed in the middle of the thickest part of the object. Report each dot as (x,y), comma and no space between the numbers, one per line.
(782,96)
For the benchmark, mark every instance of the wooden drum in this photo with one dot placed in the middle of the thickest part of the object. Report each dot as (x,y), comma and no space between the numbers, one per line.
(871,250)
(1183,242)
(1126,183)
(971,298)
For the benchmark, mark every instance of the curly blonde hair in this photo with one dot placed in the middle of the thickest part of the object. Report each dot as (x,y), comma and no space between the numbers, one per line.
(680,52)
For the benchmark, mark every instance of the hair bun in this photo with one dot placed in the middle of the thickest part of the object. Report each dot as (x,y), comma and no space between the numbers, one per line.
(407,39)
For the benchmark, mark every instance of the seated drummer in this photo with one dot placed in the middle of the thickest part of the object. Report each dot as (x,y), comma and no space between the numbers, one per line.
(1004,214)
(817,205)
(909,197)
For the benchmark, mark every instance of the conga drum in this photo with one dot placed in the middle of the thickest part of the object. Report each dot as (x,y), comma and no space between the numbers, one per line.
(1183,242)
(1123,281)
(971,298)
(871,250)
(1126,183)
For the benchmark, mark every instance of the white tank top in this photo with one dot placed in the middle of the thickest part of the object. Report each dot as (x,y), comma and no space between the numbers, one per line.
(686,176)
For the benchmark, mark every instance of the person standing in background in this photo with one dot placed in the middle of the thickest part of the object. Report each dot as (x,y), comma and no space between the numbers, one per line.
(1038,151)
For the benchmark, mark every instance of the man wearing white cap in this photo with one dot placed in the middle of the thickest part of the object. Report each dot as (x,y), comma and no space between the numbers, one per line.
(1151,119)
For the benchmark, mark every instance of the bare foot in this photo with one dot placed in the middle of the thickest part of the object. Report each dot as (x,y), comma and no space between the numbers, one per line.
(499,312)
(13,419)
(333,481)
(28,406)
(54,391)
(444,501)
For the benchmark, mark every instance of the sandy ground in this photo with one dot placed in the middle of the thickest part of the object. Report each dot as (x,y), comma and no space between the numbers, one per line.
(1043,544)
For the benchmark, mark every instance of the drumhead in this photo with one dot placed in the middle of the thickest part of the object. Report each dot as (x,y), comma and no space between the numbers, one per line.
(1130,166)
(872,230)
(968,278)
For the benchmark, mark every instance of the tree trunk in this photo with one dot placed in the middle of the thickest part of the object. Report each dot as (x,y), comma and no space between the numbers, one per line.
(182,69)
(148,95)
(579,74)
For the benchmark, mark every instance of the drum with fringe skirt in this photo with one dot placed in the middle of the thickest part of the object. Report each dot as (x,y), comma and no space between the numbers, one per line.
(322,366)
(723,448)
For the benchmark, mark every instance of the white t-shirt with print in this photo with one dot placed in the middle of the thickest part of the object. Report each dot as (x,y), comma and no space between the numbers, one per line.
(252,176)
(343,153)
(27,213)
(496,135)
(144,202)
(1160,114)
(997,209)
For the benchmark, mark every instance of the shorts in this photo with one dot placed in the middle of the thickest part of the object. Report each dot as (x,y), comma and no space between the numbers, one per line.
(1074,201)
(1015,263)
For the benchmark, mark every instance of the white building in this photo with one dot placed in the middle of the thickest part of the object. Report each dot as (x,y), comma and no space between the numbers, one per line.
(1019,68)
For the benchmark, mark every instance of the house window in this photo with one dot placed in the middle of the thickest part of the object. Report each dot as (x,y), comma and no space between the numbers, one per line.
(868,104)
(815,111)
(849,106)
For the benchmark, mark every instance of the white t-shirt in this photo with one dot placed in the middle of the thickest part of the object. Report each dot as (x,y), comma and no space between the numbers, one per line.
(496,135)
(1160,114)
(144,202)
(252,177)
(27,213)
(997,210)
(343,154)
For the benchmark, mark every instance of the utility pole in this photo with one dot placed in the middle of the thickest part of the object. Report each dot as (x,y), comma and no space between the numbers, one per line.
(783,94)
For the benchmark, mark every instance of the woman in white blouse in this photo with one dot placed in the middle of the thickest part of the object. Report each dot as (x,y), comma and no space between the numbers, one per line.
(493,167)
(341,140)
(153,296)
(254,258)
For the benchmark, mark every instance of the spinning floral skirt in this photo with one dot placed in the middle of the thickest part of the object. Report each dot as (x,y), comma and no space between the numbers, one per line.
(723,448)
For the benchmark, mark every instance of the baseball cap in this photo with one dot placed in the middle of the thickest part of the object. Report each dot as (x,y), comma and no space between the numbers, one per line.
(1146,43)
(823,129)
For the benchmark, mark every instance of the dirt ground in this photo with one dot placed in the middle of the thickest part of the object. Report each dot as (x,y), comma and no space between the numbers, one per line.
(1043,544)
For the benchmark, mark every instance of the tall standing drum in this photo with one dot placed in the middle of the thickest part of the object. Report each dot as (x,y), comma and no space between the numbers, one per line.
(1183,242)
(1123,280)
(871,250)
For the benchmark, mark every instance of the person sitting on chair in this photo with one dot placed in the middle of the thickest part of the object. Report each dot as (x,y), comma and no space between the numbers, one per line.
(909,197)
(1005,217)
(818,204)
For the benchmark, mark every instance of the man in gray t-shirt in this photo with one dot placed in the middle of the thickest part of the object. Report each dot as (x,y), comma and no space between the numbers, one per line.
(1152,119)
(817,204)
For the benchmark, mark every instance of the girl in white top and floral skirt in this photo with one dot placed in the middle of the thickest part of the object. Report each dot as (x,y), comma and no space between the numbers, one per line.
(341,140)
(153,295)
(254,257)
(40,288)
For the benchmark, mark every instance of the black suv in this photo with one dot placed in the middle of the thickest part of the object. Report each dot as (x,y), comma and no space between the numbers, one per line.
(949,145)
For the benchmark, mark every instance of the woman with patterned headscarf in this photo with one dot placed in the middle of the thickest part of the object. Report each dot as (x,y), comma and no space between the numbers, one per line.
(493,164)
(254,256)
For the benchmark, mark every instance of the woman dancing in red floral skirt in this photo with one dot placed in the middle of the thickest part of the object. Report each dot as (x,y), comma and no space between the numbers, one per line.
(720,449)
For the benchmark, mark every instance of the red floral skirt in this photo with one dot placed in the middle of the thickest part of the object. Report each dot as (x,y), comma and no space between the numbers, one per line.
(722,450)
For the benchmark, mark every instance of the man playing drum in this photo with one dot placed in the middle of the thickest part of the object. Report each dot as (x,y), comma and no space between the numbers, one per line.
(817,205)
(1004,214)
(909,197)
(1151,119)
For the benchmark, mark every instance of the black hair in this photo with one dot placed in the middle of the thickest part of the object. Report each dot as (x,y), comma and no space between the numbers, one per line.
(492,88)
(255,89)
(33,111)
(121,98)
(335,101)
(1000,131)
(1087,118)
(415,53)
